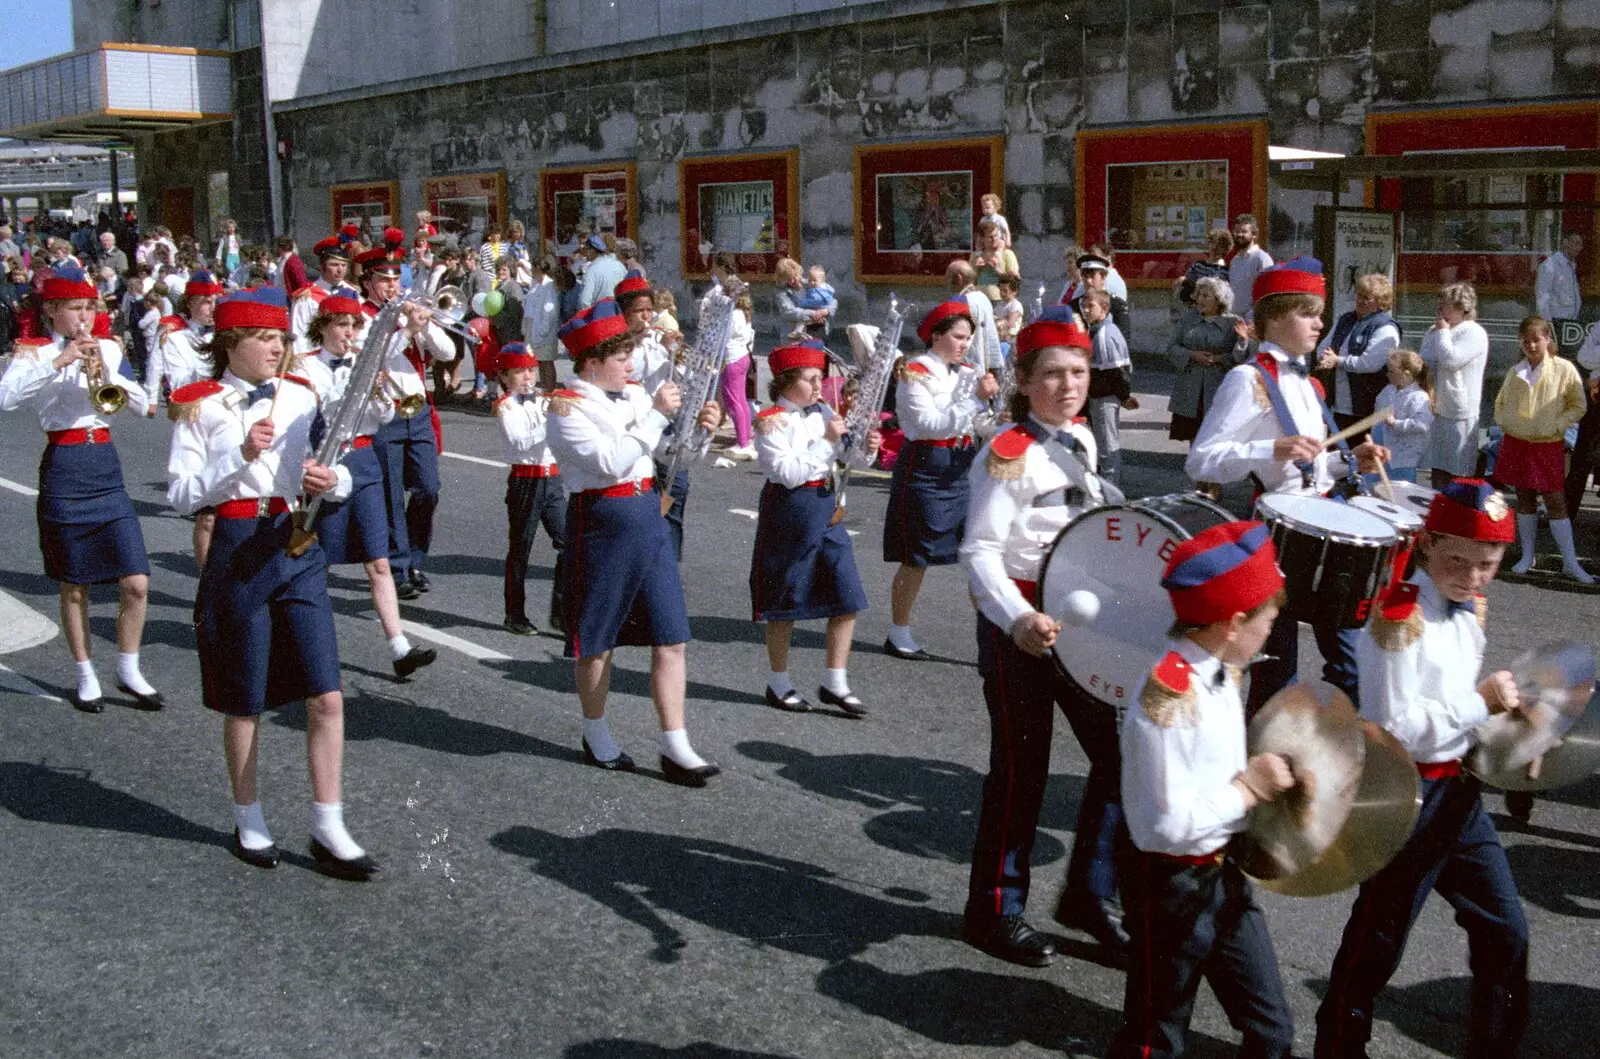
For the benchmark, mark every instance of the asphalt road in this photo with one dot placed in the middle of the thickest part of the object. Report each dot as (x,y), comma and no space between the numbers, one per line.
(807,904)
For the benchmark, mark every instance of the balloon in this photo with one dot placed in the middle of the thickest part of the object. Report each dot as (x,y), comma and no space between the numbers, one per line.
(478,303)
(493,302)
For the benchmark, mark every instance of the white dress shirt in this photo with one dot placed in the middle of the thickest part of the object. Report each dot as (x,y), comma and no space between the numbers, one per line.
(1237,434)
(1425,694)
(60,397)
(330,377)
(1177,778)
(206,464)
(182,361)
(1556,289)
(525,426)
(925,400)
(652,364)
(403,378)
(600,442)
(1457,356)
(1385,340)
(1011,522)
(792,446)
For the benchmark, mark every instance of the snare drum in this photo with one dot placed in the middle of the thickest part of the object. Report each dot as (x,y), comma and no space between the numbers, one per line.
(1407,521)
(1119,553)
(1337,559)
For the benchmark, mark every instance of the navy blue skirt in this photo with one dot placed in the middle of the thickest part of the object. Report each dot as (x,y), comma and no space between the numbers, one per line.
(263,622)
(927,504)
(88,530)
(802,567)
(356,530)
(622,586)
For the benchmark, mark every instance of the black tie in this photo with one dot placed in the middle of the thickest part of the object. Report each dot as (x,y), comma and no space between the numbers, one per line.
(1470,606)
(617,396)
(524,398)
(340,362)
(810,408)
(262,392)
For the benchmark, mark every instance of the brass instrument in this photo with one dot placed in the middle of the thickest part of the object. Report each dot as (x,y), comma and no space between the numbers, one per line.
(447,309)
(874,378)
(107,397)
(406,405)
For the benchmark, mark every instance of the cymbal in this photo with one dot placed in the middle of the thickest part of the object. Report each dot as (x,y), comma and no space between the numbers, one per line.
(1354,804)
(1553,739)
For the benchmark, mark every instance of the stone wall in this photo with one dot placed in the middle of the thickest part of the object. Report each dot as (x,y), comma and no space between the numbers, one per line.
(1037,72)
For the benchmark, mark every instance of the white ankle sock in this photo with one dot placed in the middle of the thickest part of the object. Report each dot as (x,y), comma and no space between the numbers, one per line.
(399,646)
(836,681)
(675,745)
(252,825)
(597,733)
(1528,537)
(88,683)
(128,673)
(779,683)
(327,827)
(900,636)
(1561,530)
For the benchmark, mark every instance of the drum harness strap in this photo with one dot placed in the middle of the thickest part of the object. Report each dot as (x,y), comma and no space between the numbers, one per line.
(1286,423)
(1065,456)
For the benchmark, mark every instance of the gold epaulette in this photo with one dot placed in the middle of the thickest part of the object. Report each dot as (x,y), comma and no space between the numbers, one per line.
(1008,454)
(1168,697)
(29,348)
(1263,399)
(918,373)
(1480,604)
(1398,623)
(183,406)
(771,420)
(563,401)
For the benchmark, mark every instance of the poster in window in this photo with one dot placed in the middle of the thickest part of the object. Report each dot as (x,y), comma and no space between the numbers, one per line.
(373,207)
(746,204)
(1156,193)
(576,202)
(917,205)
(466,205)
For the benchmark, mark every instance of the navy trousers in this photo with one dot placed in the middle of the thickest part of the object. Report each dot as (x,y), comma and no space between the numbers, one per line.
(530,503)
(409,456)
(1022,693)
(1454,850)
(1192,921)
(1281,666)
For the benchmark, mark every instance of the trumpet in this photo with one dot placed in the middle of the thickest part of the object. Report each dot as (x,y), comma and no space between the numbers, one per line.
(446,308)
(107,397)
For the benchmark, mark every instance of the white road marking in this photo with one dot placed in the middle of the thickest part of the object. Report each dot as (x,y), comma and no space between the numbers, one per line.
(455,643)
(11,680)
(854,533)
(474,459)
(746,512)
(18,487)
(22,627)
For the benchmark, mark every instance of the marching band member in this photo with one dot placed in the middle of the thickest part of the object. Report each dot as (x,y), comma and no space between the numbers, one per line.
(653,364)
(534,493)
(1419,659)
(1188,788)
(622,585)
(1269,422)
(88,530)
(356,530)
(408,446)
(804,566)
(928,497)
(1033,479)
(243,444)
(183,338)
(335,266)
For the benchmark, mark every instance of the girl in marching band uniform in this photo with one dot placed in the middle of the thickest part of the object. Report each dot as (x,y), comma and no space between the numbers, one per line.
(928,497)
(243,444)
(622,585)
(534,493)
(88,530)
(1031,481)
(803,566)
(653,364)
(182,357)
(357,530)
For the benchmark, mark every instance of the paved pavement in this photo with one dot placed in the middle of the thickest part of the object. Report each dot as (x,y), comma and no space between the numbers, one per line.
(806,905)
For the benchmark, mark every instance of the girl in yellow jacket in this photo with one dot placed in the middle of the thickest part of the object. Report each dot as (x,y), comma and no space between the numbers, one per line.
(1541,397)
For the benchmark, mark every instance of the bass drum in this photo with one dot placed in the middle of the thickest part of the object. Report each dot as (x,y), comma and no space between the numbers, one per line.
(1118,553)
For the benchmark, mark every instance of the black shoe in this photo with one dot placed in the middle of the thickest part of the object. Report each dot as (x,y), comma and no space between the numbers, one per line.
(919,655)
(414,660)
(1010,938)
(556,623)
(419,580)
(151,702)
(83,705)
(256,858)
(359,870)
(406,590)
(793,701)
(621,763)
(686,777)
(848,703)
(519,627)
(1519,806)
(1096,917)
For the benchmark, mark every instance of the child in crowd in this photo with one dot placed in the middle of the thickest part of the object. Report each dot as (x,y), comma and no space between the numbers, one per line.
(1540,398)
(819,296)
(990,204)
(1409,396)
(1110,382)
(666,319)
(1008,312)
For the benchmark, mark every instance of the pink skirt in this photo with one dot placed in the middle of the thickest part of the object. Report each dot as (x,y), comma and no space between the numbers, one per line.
(1537,465)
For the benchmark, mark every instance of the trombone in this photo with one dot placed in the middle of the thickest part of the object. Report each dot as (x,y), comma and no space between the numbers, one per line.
(107,397)
(446,308)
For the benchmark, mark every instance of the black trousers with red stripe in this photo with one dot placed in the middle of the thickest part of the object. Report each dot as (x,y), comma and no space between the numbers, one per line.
(531,502)
(1188,922)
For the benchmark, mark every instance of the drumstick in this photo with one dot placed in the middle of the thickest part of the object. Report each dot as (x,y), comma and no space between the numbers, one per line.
(1357,427)
(1388,486)
(277,391)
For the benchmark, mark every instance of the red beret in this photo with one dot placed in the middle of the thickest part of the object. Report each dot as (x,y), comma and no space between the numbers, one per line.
(515,355)
(1222,571)
(257,307)
(633,283)
(67,284)
(1042,333)
(1300,276)
(334,304)
(331,247)
(1474,509)
(784,358)
(941,312)
(594,325)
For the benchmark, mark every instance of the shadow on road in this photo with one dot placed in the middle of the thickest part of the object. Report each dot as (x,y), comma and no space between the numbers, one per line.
(1557,879)
(615,1048)
(49,795)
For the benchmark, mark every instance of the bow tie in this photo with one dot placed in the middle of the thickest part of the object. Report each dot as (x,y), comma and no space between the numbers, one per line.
(262,392)
(340,362)
(811,408)
(524,398)
(203,332)
(1218,677)
(1469,606)
(1299,367)
(619,396)
(1068,441)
